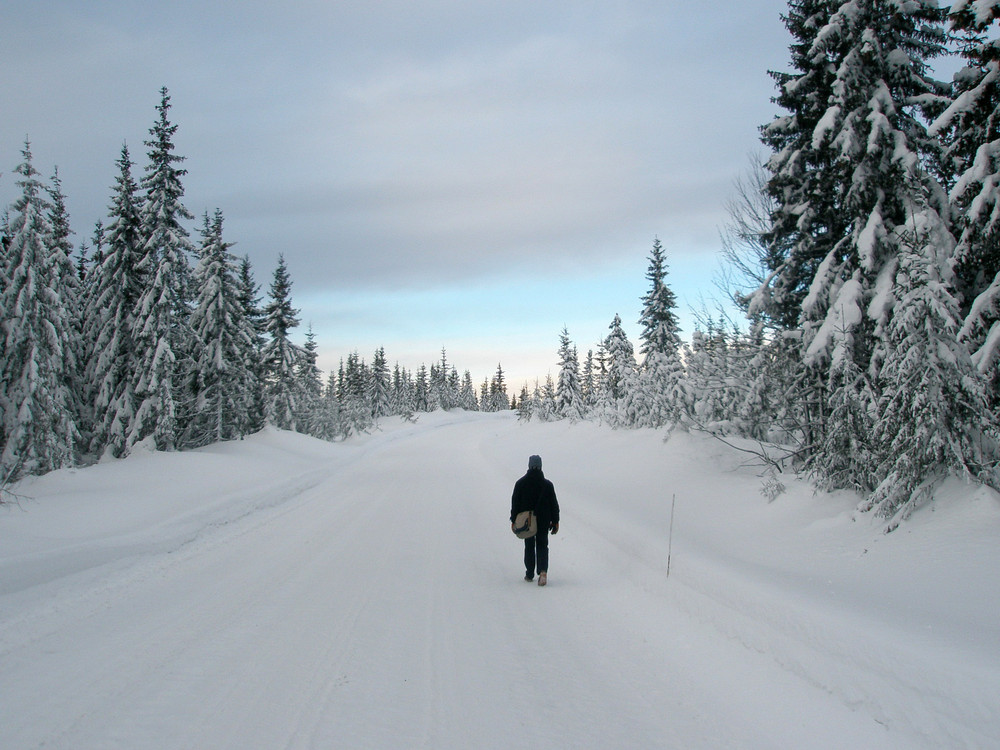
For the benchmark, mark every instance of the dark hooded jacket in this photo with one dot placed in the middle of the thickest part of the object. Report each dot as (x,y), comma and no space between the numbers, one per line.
(534,492)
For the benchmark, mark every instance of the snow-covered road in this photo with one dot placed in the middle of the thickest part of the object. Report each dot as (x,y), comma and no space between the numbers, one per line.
(286,593)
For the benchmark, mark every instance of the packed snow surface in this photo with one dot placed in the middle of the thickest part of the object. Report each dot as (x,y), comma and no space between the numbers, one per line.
(281,592)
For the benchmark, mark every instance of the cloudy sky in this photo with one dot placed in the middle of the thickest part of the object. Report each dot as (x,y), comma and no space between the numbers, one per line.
(473,175)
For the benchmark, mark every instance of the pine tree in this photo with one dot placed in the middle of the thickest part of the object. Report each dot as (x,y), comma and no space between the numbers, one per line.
(327,421)
(422,390)
(378,386)
(569,396)
(402,393)
(62,247)
(248,293)
(89,313)
(525,405)
(547,400)
(588,381)
(82,268)
(972,125)
(850,160)
(166,382)
(308,386)
(225,343)
(280,355)
(658,395)
(447,393)
(807,221)
(499,400)
(484,396)
(660,329)
(467,393)
(115,285)
(65,279)
(621,372)
(39,431)
(932,413)
(873,144)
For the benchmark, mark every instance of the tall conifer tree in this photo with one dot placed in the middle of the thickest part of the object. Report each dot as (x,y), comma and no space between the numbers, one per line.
(972,126)
(569,396)
(39,431)
(115,285)
(225,343)
(165,388)
(249,298)
(281,356)
(932,414)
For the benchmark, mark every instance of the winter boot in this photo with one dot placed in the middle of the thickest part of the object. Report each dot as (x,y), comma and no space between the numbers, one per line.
(543,578)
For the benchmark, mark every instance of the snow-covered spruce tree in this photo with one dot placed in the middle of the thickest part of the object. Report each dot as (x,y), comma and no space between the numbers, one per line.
(807,221)
(659,391)
(467,393)
(569,396)
(434,387)
(660,328)
(659,394)
(588,381)
(401,395)
(599,393)
(525,405)
(82,267)
(90,259)
(308,386)
(931,415)
(280,355)
(972,127)
(248,293)
(546,399)
(63,249)
(69,284)
(874,125)
(850,159)
(454,385)
(442,394)
(378,386)
(226,346)
(421,390)
(355,407)
(61,232)
(330,423)
(115,285)
(39,431)
(499,399)
(620,377)
(166,381)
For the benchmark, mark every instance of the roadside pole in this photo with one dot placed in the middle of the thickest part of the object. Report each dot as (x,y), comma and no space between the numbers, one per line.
(670,541)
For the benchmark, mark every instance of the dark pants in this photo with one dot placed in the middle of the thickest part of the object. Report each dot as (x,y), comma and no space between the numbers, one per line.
(536,549)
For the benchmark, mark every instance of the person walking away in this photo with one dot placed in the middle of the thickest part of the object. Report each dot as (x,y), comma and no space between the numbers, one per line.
(536,493)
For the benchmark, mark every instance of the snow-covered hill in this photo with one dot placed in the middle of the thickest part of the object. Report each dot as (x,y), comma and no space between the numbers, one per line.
(281,592)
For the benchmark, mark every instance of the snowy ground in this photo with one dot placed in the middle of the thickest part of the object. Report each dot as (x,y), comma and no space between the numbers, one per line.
(281,592)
